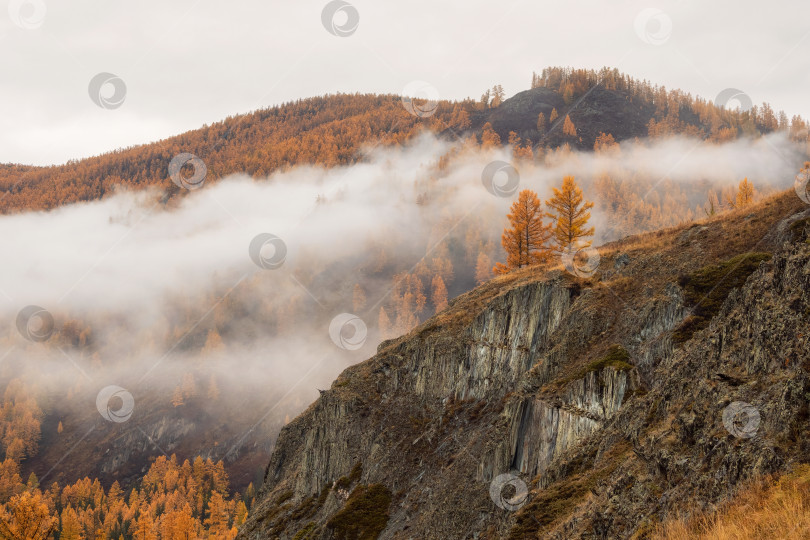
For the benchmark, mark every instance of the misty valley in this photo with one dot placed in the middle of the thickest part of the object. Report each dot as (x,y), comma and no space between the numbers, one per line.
(576,311)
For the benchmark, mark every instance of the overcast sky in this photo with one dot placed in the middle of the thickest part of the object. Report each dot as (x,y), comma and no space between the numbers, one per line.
(189,62)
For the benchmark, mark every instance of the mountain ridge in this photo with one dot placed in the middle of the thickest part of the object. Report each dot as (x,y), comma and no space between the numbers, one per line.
(333,130)
(517,378)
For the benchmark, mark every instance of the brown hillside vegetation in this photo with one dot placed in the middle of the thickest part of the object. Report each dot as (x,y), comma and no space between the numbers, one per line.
(768,509)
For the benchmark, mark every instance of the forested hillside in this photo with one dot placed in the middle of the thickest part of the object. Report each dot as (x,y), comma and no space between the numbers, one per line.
(172,501)
(563,107)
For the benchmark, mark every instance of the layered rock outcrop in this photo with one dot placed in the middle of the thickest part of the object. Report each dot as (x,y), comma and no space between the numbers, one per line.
(572,385)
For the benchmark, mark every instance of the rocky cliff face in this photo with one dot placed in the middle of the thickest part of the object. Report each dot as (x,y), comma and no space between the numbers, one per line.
(575,388)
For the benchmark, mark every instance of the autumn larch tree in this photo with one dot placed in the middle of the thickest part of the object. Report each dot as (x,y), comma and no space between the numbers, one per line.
(10,481)
(497,95)
(712,205)
(241,513)
(541,123)
(443,266)
(483,268)
(489,139)
(213,342)
(27,517)
(745,193)
(485,98)
(525,242)
(568,93)
(71,526)
(439,293)
(408,300)
(570,213)
(568,127)
(525,152)
(740,197)
(20,420)
(554,116)
(179,524)
(730,197)
(519,151)
(177,397)
(460,118)
(218,516)
(605,143)
(145,528)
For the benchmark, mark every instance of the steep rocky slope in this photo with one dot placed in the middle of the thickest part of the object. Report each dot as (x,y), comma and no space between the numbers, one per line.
(604,395)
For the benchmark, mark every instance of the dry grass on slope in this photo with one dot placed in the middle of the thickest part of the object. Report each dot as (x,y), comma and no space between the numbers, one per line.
(766,509)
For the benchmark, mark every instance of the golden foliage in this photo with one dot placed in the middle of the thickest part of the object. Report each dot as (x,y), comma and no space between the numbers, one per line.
(489,139)
(20,418)
(26,517)
(173,501)
(568,127)
(766,510)
(525,241)
(327,130)
(439,293)
(570,213)
(741,197)
(541,123)
(745,193)
(605,144)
